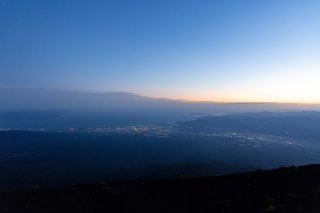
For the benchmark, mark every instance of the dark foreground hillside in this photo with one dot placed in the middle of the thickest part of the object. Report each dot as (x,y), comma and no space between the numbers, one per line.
(294,189)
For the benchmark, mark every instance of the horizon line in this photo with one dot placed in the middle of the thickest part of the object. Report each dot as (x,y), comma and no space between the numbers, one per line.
(167,98)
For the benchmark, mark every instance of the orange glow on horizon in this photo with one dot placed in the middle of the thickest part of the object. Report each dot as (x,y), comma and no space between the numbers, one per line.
(252,101)
(291,87)
(240,99)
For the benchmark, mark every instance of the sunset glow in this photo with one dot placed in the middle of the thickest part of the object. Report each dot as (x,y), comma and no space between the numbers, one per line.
(234,51)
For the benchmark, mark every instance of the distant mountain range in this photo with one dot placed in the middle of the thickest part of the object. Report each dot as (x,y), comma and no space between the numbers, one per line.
(54,99)
(34,107)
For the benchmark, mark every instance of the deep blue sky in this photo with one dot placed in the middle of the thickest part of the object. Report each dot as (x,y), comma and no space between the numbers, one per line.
(241,50)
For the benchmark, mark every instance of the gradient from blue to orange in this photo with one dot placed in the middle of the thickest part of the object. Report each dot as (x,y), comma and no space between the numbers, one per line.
(196,50)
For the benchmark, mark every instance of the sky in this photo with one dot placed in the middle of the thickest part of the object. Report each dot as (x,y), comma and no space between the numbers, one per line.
(230,51)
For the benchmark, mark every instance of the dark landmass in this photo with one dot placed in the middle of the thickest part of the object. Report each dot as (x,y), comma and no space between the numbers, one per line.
(206,146)
(41,158)
(30,158)
(291,189)
(154,165)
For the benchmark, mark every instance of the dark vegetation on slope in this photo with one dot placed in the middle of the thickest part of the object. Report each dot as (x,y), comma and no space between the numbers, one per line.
(292,189)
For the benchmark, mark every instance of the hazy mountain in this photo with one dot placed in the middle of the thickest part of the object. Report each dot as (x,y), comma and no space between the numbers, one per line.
(34,107)
(53,99)
(44,99)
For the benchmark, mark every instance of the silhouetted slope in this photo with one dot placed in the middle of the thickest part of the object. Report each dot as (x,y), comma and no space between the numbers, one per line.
(294,189)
